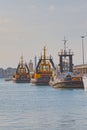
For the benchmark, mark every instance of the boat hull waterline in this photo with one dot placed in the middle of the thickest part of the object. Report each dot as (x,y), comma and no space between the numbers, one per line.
(71,84)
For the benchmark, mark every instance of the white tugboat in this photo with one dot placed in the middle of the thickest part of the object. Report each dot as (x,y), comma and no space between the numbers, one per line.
(66,79)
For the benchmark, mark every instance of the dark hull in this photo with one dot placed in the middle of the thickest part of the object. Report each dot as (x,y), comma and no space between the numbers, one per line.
(21,80)
(65,84)
(40,82)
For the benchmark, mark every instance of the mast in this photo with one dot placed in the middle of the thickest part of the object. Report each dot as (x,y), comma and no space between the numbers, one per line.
(66,64)
(65,45)
(21,62)
(44,55)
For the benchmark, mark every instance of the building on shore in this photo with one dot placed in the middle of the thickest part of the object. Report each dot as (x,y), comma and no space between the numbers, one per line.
(31,66)
(6,73)
(80,69)
(35,62)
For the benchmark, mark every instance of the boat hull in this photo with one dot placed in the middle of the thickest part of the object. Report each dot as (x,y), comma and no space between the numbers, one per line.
(41,81)
(71,84)
(21,80)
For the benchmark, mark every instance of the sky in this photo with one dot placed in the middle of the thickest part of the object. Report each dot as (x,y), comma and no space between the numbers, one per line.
(26,26)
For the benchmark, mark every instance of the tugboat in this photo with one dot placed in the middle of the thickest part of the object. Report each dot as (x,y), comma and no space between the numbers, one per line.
(67,78)
(22,73)
(44,70)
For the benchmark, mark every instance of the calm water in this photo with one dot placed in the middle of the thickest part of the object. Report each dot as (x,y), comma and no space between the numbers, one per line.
(29,107)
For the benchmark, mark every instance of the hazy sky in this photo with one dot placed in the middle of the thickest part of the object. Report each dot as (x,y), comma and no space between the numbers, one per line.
(26,26)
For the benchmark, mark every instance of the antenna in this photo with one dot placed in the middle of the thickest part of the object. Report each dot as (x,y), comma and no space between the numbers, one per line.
(65,45)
